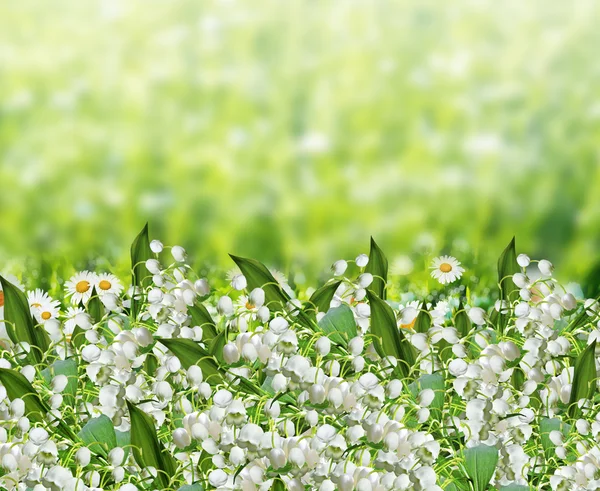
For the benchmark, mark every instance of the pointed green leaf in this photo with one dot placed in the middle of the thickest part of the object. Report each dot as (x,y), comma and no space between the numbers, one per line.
(78,337)
(462,322)
(548,425)
(423,321)
(258,276)
(19,323)
(99,435)
(584,378)
(148,451)
(507,267)
(201,317)
(378,267)
(216,346)
(389,340)
(480,463)
(95,307)
(191,353)
(150,364)
(17,386)
(320,300)
(140,253)
(339,325)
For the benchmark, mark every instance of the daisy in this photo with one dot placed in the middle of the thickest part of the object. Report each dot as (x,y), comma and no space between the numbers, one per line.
(446,269)
(42,306)
(108,283)
(80,286)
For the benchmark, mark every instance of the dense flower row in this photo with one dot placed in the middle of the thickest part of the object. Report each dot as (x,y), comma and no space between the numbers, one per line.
(255,386)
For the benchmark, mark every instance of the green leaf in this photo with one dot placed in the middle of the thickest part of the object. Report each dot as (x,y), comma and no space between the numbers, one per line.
(507,267)
(480,464)
(68,368)
(191,353)
(95,307)
(548,425)
(514,487)
(140,253)
(434,382)
(18,387)
(150,364)
(148,451)
(78,337)
(192,487)
(99,435)
(378,267)
(389,340)
(584,378)
(320,300)
(19,323)
(339,324)
(258,276)
(201,317)
(423,321)
(205,463)
(278,485)
(462,321)
(216,346)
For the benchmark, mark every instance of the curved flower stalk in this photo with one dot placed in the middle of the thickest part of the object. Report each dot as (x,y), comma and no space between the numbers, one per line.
(178,382)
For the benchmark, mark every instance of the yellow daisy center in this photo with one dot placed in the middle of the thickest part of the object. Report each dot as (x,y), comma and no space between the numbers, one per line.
(104,285)
(36,305)
(82,287)
(445,267)
(1,299)
(249,305)
(46,315)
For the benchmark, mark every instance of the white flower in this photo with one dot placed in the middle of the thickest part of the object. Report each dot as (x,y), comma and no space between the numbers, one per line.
(218,478)
(238,282)
(545,267)
(108,283)
(477,315)
(446,269)
(362,260)
(156,246)
(79,286)
(83,456)
(153,266)
(523,260)
(278,325)
(178,254)
(339,267)
(225,306)
(365,279)
(43,307)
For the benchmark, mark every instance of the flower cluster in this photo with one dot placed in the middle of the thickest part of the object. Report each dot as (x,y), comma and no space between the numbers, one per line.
(254,385)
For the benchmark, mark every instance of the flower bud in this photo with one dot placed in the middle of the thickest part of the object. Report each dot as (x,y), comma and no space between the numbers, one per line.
(181,438)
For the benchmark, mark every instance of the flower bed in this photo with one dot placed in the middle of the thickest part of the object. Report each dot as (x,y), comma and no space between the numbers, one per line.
(172,384)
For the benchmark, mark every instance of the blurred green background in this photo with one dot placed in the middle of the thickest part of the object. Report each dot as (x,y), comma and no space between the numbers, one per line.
(291,131)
